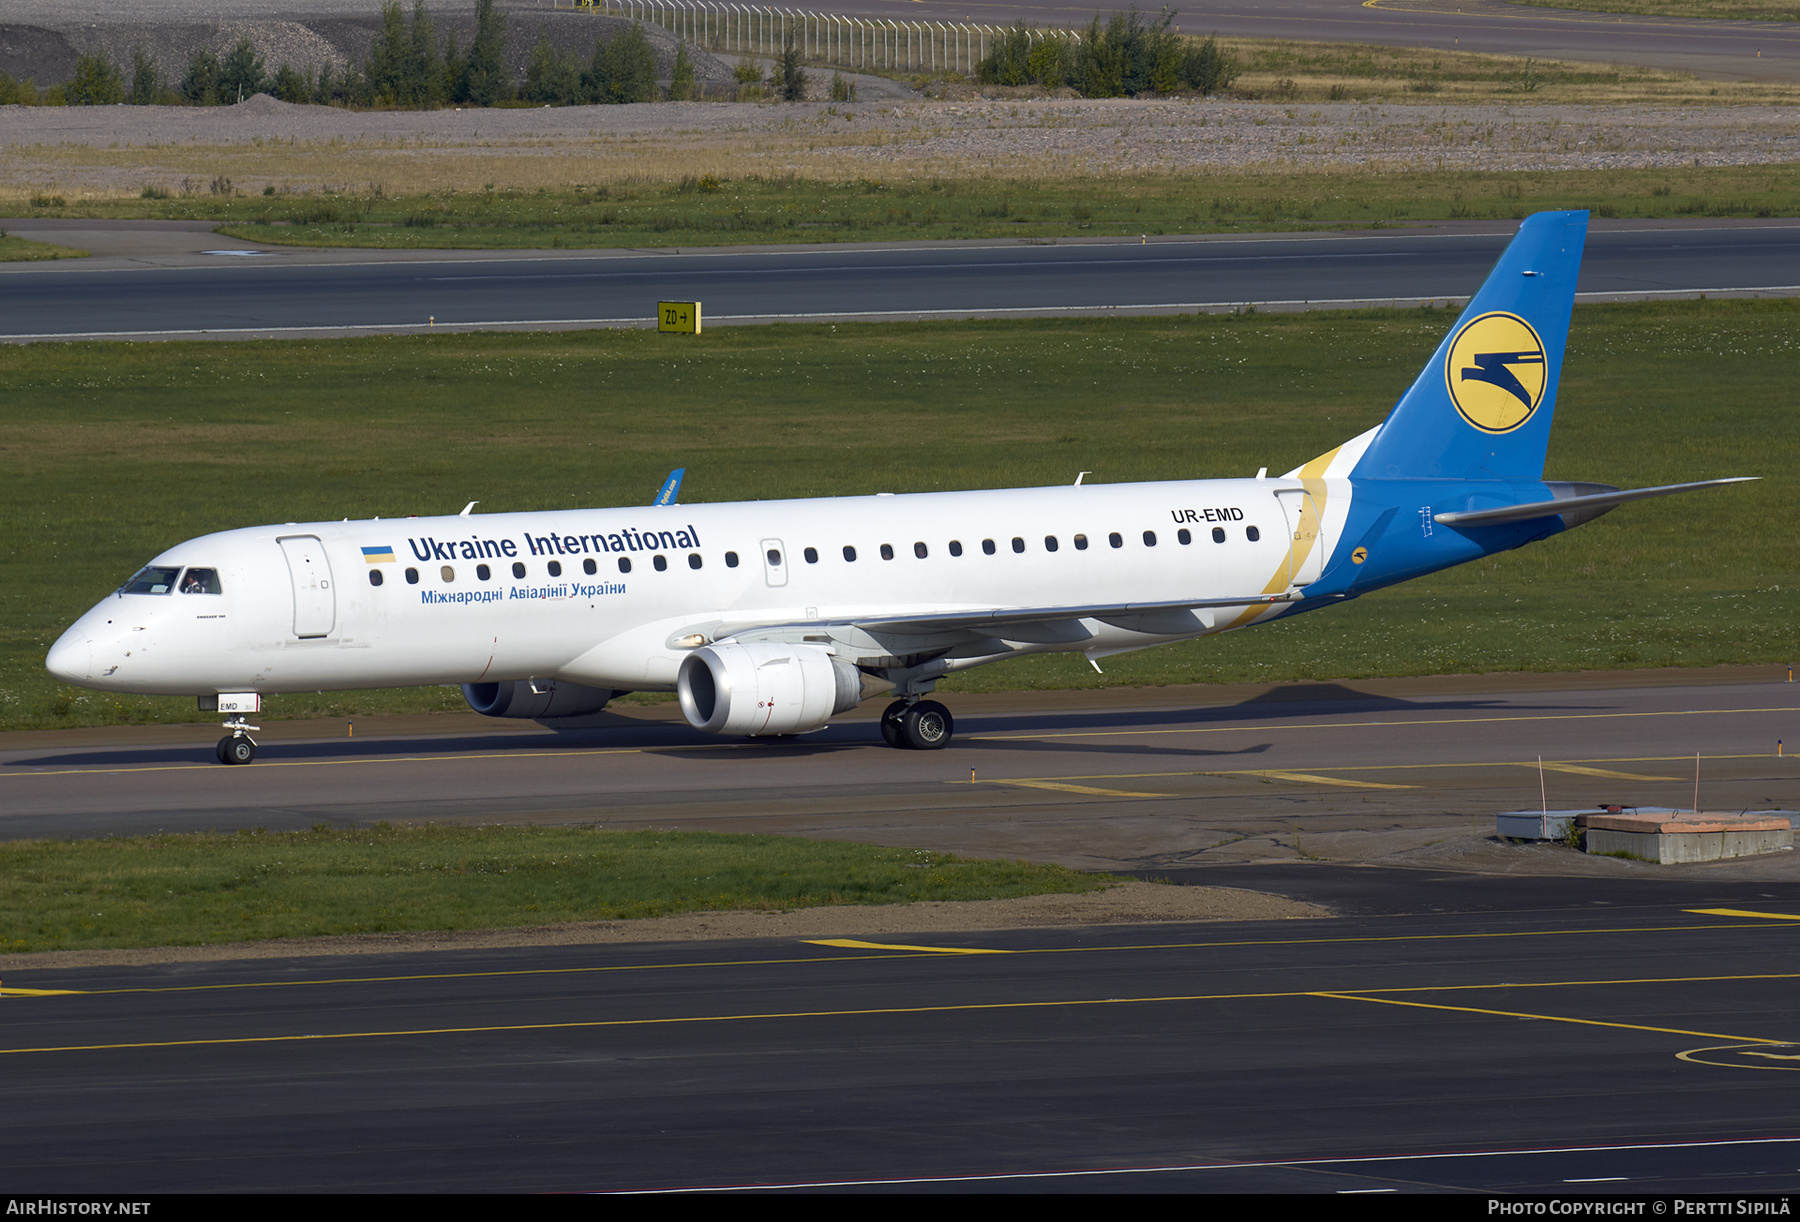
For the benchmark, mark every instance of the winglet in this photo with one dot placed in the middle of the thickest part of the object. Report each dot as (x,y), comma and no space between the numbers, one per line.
(671,488)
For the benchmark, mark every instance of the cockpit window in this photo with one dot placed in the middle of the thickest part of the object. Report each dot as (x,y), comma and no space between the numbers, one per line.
(200,581)
(152,579)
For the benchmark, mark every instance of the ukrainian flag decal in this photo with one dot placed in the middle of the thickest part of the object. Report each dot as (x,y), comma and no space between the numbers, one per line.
(1496,372)
(379,555)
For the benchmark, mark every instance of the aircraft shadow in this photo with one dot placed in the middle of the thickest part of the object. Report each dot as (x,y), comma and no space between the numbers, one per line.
(619,732)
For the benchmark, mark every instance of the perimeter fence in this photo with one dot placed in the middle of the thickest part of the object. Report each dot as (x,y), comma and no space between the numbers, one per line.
(875,43)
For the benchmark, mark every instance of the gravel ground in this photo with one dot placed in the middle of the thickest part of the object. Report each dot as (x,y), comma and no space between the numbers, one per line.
(318,34)
(113,149)
(890,129)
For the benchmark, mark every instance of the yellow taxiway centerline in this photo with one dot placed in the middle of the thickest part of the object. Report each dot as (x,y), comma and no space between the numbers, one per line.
(853,944)
(962,1008)
(1224,943)
(1561,765)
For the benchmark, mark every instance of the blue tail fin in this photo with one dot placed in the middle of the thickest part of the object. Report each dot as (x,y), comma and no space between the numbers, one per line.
(1482,407)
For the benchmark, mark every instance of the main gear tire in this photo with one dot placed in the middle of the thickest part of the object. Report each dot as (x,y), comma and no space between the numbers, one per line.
(890,724)
(927,726)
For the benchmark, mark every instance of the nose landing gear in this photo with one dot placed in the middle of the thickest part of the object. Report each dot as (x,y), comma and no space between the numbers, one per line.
(237,747)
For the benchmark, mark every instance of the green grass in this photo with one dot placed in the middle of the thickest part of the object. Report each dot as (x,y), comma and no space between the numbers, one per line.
(1744,10)
(114,452)
(19,250)
(760,210)
(183,890)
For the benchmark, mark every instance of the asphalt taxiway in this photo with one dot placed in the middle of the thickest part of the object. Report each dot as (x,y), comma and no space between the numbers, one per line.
(1642,1042)
(1727,49)
(1477,1017)
(1142,780)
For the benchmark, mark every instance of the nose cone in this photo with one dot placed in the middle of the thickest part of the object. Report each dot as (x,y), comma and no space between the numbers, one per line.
(71,659)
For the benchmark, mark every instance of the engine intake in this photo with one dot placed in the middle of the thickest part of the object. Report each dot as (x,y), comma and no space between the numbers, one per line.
(535,698)
(765,687)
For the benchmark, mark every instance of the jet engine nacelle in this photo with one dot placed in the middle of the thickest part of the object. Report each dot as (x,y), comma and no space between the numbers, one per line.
(535,698)
(765,687)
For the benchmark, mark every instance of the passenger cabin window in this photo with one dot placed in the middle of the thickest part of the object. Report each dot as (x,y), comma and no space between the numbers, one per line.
(1050,543)
(1116,539)
(987,547)
(1149,538)
(412,577)
(849,553)
(204,581)
(774,558)
(1185,536)
(731,560)
(1018,544)
(587,566)
(1252,534)
(155,579)
(1218,534)
(483,572)
(887,551)
(624,564)
(921,551)
(811,554)
(1081,543)
(374,577)
(693,560)
(448,574)
(659,563)
(519,568)
(955,548)
(556,568)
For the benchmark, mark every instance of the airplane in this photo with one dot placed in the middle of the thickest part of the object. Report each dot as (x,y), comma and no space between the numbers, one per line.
(770,618)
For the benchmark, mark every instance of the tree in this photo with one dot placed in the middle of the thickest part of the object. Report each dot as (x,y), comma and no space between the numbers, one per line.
(454,68)
(681,78)
(549,78)
(1206,68)
(1130,56)
(1019,58)
(389,53)
(623,70)
(200,84)
(96,82)
(146,79)
(485,82)
(241,74)
(1009,62)
(290,86)
(789,79)
(424,67)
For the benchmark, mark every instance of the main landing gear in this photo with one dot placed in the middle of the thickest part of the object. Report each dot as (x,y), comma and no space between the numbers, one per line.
(918,725)
(237,747)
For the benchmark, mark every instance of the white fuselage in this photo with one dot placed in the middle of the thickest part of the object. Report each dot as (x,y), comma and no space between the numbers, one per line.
(296,607)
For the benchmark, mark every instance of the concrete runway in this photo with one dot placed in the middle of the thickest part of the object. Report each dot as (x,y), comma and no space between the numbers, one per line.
(154,280)
(1144,780)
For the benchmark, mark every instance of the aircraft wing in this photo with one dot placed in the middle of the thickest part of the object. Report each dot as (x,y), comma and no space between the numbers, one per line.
(994,622)
(986,628)
(1598,501)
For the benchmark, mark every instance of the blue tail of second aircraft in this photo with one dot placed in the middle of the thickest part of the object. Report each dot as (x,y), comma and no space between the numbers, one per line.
(1482,408)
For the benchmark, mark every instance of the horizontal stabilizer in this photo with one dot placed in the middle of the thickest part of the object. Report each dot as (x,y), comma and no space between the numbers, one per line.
(1600,501)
